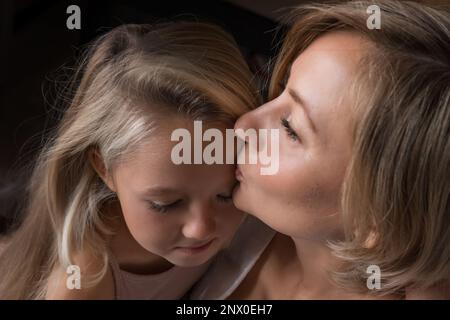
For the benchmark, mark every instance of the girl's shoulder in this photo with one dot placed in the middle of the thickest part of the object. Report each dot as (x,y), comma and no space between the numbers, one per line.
(76,282)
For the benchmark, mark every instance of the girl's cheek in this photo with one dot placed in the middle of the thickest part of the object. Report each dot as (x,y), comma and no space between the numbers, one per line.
(143,221)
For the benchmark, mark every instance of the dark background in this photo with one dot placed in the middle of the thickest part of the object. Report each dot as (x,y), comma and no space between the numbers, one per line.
(38,52)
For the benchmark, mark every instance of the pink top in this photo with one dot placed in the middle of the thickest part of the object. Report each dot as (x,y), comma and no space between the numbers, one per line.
(169,285)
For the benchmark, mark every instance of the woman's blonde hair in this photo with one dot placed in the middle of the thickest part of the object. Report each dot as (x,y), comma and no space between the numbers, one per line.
(396,195)
(188,69)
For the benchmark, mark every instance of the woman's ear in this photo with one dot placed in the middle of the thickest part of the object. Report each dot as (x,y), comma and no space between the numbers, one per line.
(98,164)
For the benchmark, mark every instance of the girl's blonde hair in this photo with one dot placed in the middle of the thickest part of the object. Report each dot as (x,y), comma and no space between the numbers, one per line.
(396,196)
(190,69)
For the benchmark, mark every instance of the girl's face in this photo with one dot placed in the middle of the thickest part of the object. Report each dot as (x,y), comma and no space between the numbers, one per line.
(313,115)
(183,213)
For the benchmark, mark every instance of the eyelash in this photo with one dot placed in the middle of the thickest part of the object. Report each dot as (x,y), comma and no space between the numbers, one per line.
(164,208)
(290,132)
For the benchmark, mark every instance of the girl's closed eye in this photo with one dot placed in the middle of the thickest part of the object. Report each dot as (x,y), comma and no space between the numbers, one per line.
(290,132)
(162,207)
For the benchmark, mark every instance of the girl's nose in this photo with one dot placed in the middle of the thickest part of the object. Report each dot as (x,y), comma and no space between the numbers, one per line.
(201,225)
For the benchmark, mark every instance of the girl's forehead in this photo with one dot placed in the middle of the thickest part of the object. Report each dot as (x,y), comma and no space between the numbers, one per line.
(180,180)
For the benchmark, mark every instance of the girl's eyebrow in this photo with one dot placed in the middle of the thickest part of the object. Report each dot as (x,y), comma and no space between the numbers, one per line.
(159,190)
(298,100)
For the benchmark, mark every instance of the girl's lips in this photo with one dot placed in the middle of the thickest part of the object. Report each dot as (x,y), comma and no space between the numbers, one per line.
(196,249)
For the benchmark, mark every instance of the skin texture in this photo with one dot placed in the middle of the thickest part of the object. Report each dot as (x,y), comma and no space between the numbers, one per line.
(302,200)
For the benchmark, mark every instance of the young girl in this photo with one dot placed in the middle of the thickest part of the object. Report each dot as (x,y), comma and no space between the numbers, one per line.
(108,214)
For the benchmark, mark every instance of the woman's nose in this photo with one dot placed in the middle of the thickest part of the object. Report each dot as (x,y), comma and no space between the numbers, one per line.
(256,119)
(247,121)
(251,128)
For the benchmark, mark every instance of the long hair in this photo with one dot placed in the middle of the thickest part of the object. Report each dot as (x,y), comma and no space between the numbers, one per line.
(127,76)
(396,194)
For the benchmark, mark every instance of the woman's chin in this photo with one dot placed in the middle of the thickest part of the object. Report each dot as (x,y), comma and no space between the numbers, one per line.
(239,198)
(243,200)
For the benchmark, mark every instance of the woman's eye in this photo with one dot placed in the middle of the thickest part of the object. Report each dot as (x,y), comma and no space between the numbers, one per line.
(289,131)
(162,207)
(224,198)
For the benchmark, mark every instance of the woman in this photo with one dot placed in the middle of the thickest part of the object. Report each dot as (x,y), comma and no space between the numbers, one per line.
(364,162)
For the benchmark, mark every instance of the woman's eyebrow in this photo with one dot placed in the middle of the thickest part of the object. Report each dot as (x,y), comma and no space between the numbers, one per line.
(298,100)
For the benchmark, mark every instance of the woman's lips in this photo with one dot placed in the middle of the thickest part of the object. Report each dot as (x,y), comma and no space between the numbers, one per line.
(196,249)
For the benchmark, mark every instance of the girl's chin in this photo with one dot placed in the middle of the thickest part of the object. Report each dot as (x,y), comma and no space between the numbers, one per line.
(190,262)
(193,258)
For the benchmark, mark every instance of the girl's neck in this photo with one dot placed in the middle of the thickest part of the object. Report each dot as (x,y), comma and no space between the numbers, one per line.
(130,255)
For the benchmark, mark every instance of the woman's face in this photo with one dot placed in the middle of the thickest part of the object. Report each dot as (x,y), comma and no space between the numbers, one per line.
(313,115)
(182,213)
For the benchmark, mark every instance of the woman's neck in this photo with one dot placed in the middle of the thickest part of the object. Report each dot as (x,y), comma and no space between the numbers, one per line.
(440,291)
(315,260)
(292,269)
(300,269)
